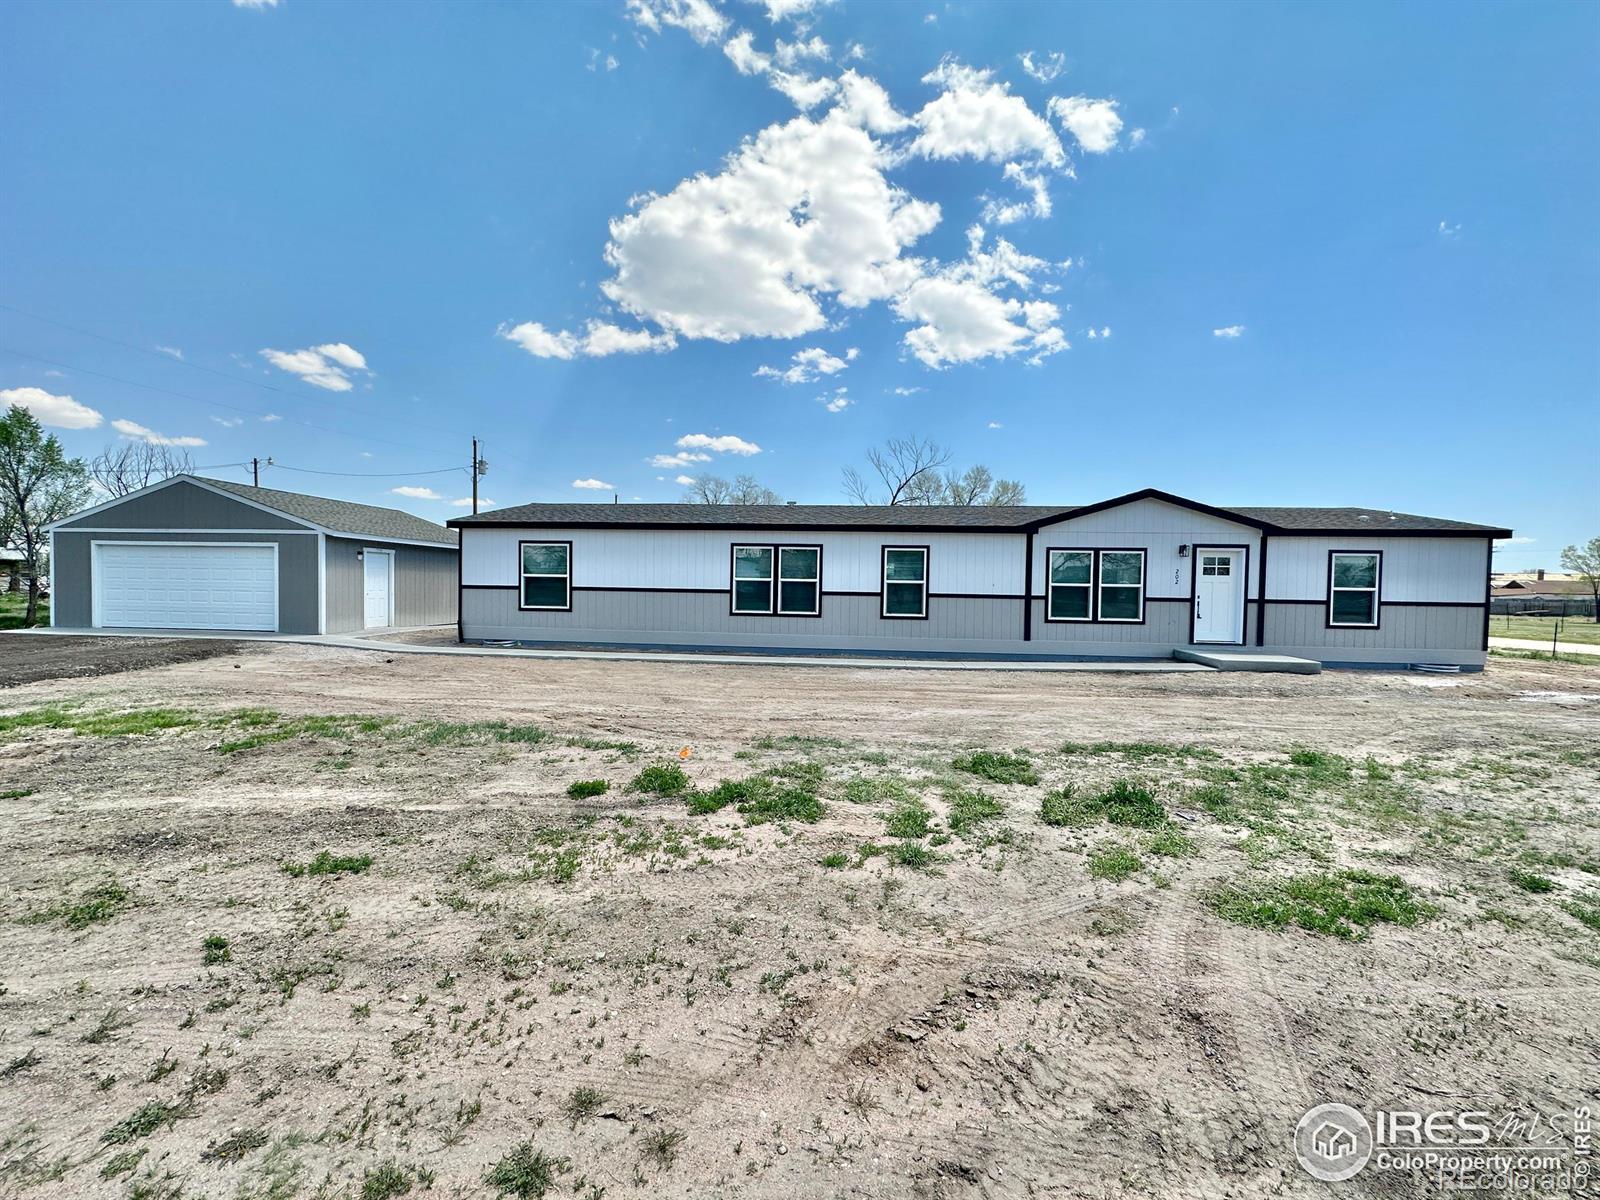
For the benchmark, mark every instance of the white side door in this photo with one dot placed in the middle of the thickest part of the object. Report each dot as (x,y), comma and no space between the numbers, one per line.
(377,579)
(1218,595)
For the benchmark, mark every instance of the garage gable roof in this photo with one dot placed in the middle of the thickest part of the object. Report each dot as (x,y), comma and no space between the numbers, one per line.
(339,518)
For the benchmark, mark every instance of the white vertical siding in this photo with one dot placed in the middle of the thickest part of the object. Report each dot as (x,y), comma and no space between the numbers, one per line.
(1415,569)
(979,564)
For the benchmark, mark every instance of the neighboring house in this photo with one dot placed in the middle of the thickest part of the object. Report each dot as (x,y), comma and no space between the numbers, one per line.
(192,553)
(1135,577)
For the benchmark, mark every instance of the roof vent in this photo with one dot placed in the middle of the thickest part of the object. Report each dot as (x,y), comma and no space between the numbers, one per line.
(1363,517)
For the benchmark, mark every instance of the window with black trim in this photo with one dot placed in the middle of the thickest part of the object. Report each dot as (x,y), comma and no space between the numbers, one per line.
(784,581)
(546,575)
(1071,585)
(905,581)
(1121,585)
(1353,589)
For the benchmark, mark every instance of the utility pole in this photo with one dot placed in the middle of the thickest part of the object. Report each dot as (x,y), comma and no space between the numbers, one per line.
(255,471)
(479,468)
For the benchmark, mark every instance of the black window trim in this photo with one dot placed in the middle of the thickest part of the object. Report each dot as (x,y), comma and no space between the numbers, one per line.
(1095,617)
(1376,589)
(883,583)
(523,576)
(774,608)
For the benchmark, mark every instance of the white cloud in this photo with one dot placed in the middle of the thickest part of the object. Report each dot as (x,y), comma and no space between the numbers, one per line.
(419,493)
(595,60)
(703,21)
(326,366)
(599,340)
(1514,541)
(864,103)
(1045,68)
(996,425)
(683,458)
(229,422)
(808,365)
(257,5)
(837,402)
(725,444)
(1094,123)
(1448,231)
(61,412)
(1228,331)
(466,502)
(611,62)
(741,51)
(170,352)
(977,117)
(271,417)
(1097,335)
(1136,139)
(139,433)
(593,485)
(790,54)
(780,10)
(998,213)
(805,91)
(908,391)
(683,480)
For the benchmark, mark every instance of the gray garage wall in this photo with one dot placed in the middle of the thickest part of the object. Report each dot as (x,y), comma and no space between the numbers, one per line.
(182,506)
(425,584)
(70,575)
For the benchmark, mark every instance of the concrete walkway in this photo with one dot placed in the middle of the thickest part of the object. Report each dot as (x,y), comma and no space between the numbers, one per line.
(1500,643)
(371,643)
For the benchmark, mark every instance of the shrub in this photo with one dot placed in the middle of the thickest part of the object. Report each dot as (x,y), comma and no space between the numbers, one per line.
(582,789)
(216,951)
(1344,904)
(662,779)
(1115,863)
(997,767)
(909,820)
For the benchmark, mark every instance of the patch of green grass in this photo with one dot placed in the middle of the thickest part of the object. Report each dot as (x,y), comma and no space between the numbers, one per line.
(1585,909)
(626,749)
(835,860)
(99,904)
(728,791)
(1065,807)
(123,1162)
(101,724)
(326,863)
(466,733)
(660,779)
(911,854)
(1586,660)
(142,1123)
(14,606)
(386,1181)
(661,1147)
(1344,904)
(1531,881)
(1113,862)
(583,789)
(997,767)
(583,1103)
(1319,766)
(789,804)
(1540,629)
(799,741)
(910,819)
(16,794)
(1123,803)
(235,1146)
(876,790)
(215,950)
(969,809)
(1170,842)
(525,1173)
(1139,751)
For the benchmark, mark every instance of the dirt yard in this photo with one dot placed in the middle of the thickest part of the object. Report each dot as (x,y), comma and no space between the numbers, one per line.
(299,921)
(31,657)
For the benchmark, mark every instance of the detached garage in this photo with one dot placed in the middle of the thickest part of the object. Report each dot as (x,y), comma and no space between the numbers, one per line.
(193,553)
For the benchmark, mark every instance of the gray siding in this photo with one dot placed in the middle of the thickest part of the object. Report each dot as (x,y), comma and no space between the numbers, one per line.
(182,506)
(1406,633)
(297,571)
(424,582)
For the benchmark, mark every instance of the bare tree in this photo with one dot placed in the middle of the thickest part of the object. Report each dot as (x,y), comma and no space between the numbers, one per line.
(712,489)
(908,473)
(902,466)
(128,466)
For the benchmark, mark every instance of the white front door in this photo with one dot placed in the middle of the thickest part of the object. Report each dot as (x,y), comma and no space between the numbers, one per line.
(1218,595)
(377,571)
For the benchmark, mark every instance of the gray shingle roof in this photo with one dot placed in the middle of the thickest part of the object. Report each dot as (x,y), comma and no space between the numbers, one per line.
(1353,521)
(341,516)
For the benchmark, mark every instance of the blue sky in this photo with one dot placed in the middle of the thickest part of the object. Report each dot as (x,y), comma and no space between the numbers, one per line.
(581,232)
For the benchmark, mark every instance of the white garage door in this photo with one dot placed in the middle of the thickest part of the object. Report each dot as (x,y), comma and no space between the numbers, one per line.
(189,586)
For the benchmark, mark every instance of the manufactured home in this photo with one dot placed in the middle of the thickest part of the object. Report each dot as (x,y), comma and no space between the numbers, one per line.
(1141,576)
(194,553)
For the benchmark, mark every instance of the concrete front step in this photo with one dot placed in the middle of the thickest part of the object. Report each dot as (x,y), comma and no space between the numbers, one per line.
(1241,660)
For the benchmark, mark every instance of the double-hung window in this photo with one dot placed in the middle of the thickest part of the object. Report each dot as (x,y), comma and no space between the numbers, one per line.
(905,582)
(546,575)
(783,581)
(1353,589)
(1121,585)
(1071,585)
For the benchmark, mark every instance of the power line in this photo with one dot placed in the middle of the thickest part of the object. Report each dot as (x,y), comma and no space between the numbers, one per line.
(366,474)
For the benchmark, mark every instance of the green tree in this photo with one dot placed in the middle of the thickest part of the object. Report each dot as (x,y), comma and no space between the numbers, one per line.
(1584,562)
(38,484)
